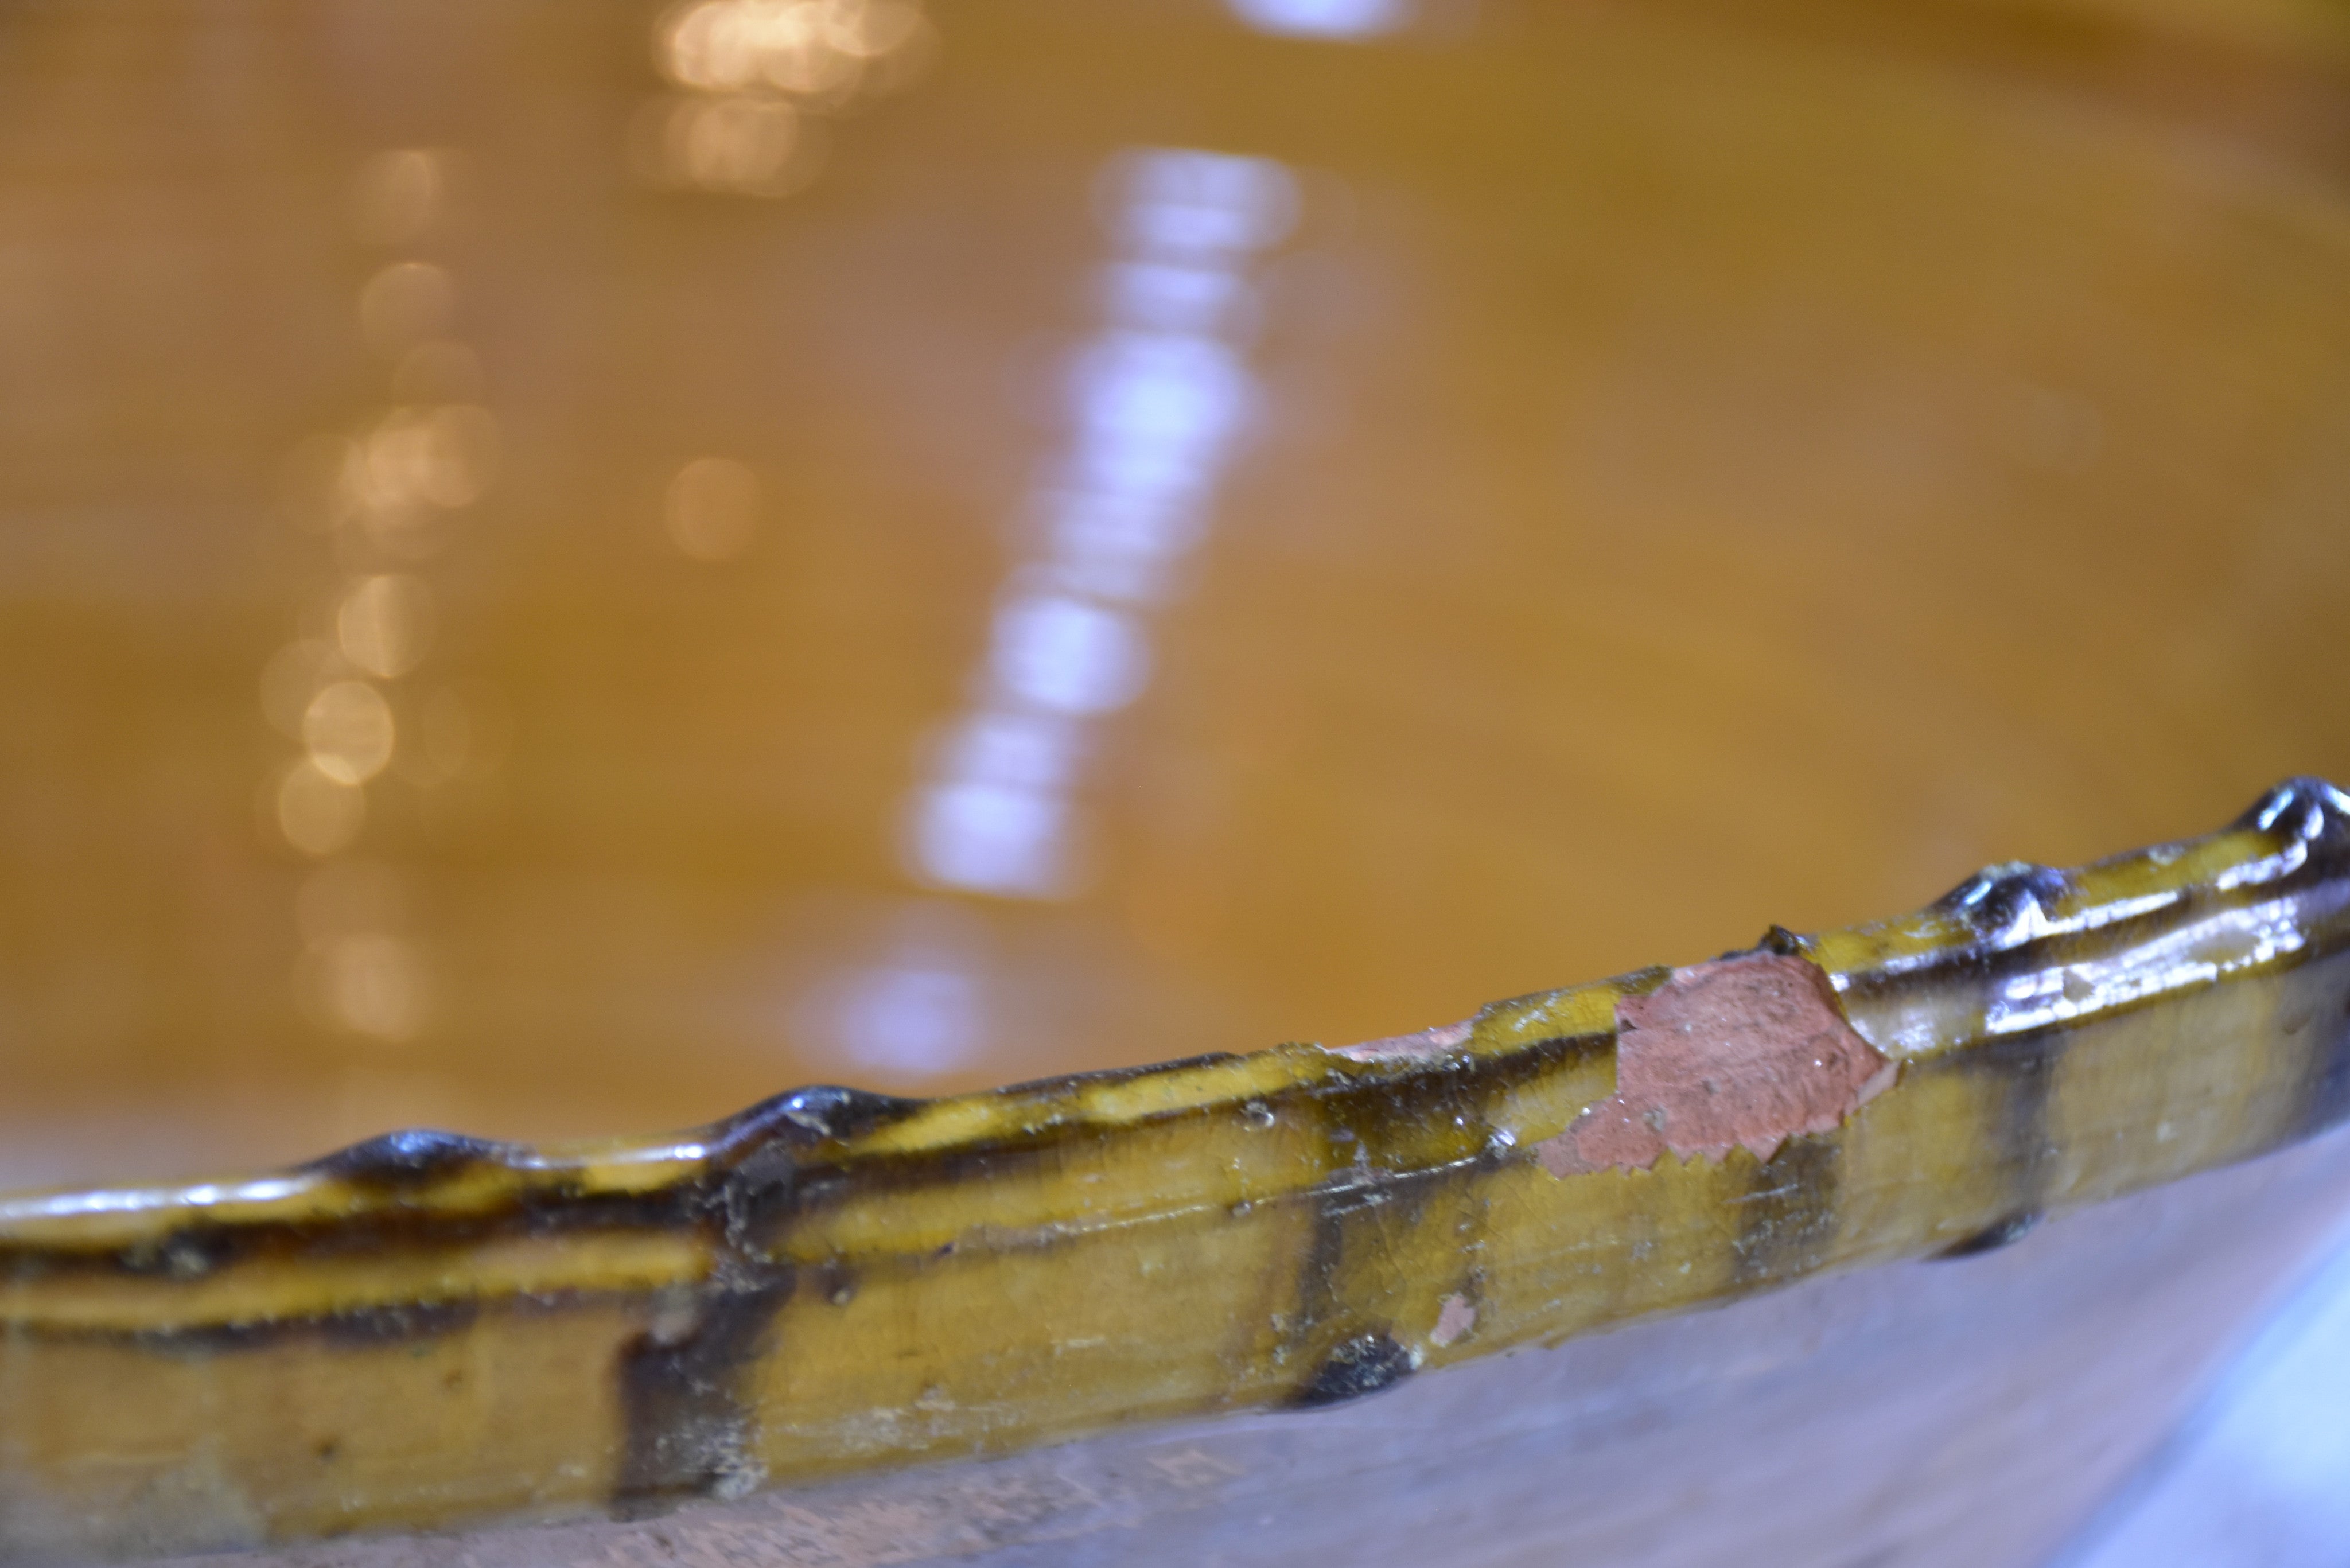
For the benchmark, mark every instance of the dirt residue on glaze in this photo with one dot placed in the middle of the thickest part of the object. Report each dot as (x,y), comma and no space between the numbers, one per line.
(1749,1050)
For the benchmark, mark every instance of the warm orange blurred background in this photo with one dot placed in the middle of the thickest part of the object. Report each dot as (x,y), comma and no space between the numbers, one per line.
(568,566)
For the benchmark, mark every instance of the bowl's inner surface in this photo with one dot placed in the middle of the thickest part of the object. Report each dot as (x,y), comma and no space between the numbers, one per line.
(997,594)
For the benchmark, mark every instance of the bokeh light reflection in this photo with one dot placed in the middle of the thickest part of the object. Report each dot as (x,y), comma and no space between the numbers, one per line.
(349,731)
(427,454)
(371,984)
(397,195)
(385,624)
(315,812)
(711,509)
(405,304)
(753,75)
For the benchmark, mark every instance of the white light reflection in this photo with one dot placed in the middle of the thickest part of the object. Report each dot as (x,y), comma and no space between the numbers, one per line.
(922,1002)
(1158,402)
(134,1200)
(1024,751)
(1323,18)
(2201,953)
(1065,656)
(994,838)
(1161,298)
(914,1020)
(1153,413)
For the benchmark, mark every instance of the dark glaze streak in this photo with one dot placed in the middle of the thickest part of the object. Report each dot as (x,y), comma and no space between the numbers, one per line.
(1064,1082)
(824,1111)
(1397,1114)
(2306,807)
(1337,1199)
(361,1328)
(408,1164)
(824,1172)
(202,1245)
(2316,813)
(189,1252)
(2021,1071)
(1994,898)
(1780,940)
(691,1427)
(691,1431)
(1362,1365)
(1027,1153)
(1989,960)
(2322,1097)
(402,1161)
(1354,1210)
(1378,1129)
(1992,904)
(1326,1254)
(1787,1220)
(2001,1232)
(1421,1117)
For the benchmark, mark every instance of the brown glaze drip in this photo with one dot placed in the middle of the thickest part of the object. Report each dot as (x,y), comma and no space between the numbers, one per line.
(691,1428)
(690,1431)
(1747,1051)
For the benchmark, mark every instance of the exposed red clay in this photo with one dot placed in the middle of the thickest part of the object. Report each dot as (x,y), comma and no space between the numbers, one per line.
(1742,1051)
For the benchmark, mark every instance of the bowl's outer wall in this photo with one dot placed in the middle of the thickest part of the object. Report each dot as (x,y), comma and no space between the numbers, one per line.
(1971,1413)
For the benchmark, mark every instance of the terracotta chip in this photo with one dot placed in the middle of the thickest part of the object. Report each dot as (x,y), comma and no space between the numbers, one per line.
(1746,1050)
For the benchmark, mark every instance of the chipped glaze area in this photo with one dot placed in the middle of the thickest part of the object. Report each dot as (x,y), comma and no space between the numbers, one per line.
(1456,1318)
(428,1329)
(1745,1051)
